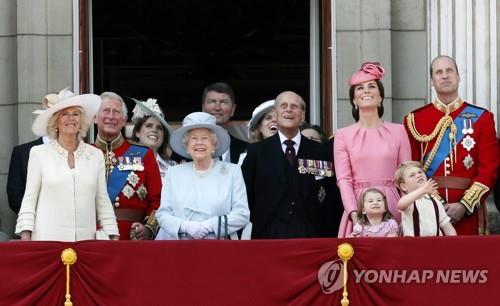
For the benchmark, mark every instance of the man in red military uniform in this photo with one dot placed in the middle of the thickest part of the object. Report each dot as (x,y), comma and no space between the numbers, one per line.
(456,143)
(133,177)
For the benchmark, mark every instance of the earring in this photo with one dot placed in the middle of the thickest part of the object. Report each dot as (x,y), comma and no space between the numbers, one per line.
(355,106)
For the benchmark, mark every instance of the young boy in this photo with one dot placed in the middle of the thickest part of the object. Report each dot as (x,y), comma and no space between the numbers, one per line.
(422,212)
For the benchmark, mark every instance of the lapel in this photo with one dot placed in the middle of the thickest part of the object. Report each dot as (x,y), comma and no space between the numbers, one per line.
(276,158)
(26,148)
(38,141)
(303,147)
(237,147)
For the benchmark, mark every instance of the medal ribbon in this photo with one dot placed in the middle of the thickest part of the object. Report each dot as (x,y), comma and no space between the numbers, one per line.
(444,146)
(118,178)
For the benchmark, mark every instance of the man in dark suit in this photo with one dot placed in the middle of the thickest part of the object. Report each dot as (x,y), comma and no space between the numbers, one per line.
(18,167)
(218,100)
(285,202)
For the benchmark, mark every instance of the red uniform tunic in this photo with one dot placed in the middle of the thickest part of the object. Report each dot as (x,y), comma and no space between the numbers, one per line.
(476,165)
(129,207)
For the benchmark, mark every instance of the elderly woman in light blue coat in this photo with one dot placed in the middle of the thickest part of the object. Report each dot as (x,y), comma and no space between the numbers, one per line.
(205,198)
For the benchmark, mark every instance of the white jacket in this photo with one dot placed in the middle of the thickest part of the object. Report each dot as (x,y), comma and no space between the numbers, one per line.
(65,204)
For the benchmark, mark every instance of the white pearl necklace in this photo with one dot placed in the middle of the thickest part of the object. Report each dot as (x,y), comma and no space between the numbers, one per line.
(203,173)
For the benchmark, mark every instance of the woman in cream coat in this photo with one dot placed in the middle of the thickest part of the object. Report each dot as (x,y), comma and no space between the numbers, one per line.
(66,189)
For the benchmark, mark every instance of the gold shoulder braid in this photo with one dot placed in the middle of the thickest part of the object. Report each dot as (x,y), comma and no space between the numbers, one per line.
(108,147)
(443,123)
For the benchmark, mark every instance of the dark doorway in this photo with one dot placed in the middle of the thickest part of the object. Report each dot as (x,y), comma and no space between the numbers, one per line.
(170,50)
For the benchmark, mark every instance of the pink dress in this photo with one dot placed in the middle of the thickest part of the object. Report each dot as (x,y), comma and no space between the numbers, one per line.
(367,158)
(382,230)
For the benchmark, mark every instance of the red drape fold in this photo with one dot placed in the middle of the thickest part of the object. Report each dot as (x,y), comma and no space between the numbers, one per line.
(259,272)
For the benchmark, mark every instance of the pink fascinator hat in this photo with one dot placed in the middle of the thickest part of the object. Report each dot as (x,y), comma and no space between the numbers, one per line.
(369,71)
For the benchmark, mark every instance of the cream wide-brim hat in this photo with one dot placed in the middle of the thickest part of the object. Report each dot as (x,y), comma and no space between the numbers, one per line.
(90,104)
(198,120)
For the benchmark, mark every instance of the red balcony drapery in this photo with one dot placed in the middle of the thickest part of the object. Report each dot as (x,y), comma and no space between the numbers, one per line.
(259,272)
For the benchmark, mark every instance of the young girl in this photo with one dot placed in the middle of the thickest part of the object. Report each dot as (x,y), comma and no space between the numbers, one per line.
(374,217)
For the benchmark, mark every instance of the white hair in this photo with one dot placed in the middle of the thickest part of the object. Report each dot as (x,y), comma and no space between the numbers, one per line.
(113,96)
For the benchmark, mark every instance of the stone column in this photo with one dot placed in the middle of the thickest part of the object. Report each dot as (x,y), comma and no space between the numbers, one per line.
(363,34)
(8,102)
(409,57)
(36,49)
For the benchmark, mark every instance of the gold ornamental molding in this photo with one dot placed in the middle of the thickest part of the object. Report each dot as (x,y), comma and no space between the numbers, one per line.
(345,252)
(68,257)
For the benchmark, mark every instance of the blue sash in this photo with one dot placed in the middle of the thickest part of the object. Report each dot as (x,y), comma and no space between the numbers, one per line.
(117,178)
(470,112)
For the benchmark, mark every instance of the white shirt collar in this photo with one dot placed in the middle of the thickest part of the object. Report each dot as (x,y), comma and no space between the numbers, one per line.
(295,138)
(226,156)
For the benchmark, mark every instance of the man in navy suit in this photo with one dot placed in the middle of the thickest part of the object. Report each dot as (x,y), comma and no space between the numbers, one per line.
(18,169)
(284,175)
(218,100)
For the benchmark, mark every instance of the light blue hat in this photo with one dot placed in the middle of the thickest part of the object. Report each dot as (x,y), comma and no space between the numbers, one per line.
(199,120)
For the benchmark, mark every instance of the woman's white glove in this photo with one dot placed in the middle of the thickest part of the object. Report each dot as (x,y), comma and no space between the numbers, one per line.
(197,230)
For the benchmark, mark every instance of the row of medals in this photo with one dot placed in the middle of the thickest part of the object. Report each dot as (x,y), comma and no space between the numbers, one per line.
(468,143)
(127,163)
(315,167)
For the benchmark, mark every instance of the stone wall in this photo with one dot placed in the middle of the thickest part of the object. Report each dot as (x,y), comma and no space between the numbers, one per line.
(36,51)
(392,33)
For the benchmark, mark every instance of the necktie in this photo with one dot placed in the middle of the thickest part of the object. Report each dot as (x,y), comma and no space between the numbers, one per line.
(290,152)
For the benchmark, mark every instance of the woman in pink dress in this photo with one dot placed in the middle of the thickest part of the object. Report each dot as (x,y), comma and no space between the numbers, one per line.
(368,152)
